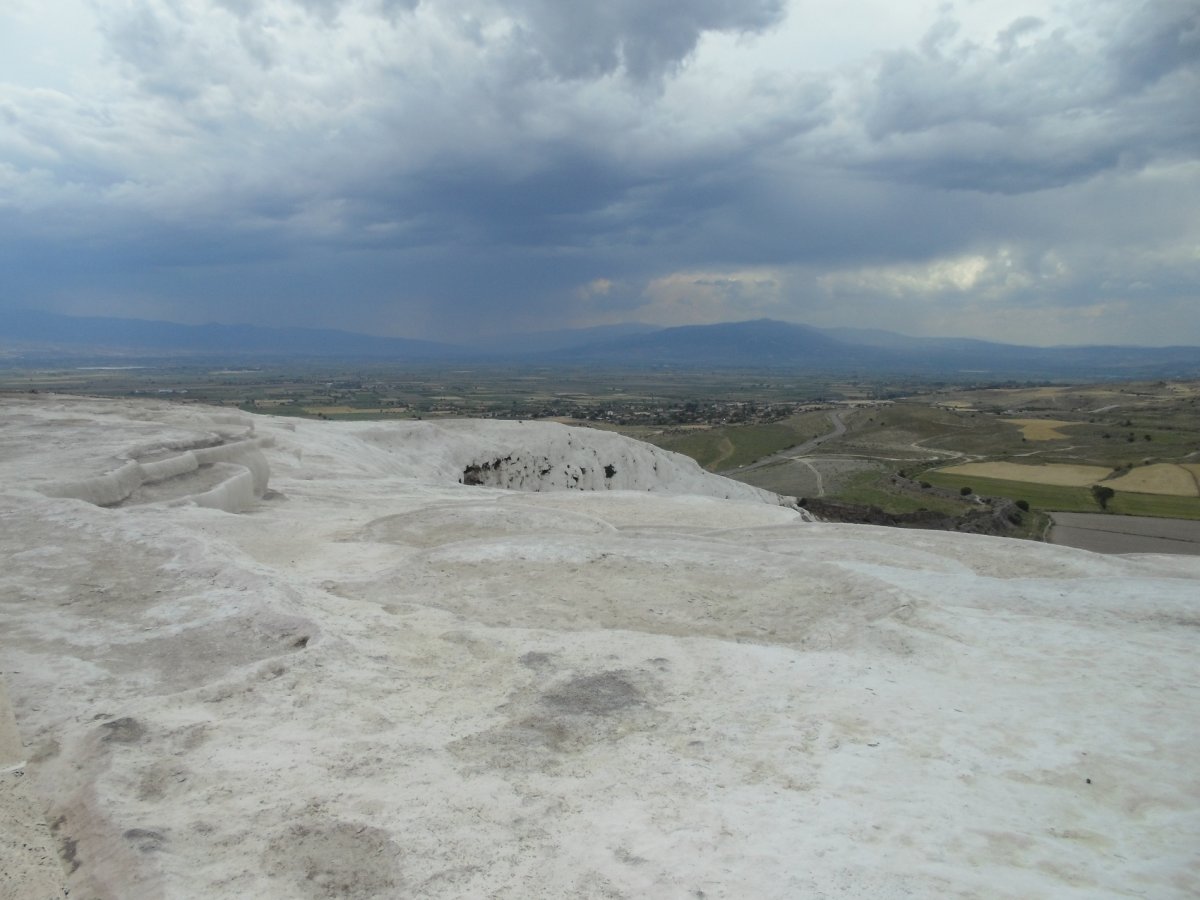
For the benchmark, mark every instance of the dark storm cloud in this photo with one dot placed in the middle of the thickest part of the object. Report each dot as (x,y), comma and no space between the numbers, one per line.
(158,51)
(438,165)
(645,38)
(584,190)
(1038,108)
(1156,40)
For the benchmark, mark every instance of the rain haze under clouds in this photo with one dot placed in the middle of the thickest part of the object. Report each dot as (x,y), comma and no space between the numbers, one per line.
(1021,171)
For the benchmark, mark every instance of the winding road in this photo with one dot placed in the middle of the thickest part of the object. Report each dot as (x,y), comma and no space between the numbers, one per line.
(793,453)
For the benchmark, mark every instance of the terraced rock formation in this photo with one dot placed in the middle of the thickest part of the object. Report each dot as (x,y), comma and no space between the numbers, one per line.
(375,679)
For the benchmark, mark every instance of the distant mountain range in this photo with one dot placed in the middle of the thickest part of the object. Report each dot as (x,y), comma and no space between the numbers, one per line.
(525,343)
(764,343)
(34,337)
(46,334)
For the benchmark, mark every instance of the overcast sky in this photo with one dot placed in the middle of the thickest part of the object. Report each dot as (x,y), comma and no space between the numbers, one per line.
(1021,170)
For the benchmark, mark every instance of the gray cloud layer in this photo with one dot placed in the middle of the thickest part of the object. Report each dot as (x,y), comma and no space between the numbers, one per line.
(445,165)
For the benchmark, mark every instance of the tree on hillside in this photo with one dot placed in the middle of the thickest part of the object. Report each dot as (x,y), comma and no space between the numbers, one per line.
(1103,493)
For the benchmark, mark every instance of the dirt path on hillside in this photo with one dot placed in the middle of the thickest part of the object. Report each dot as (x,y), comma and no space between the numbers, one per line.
(725,446)
(816,474)
(946,451)
(1047,450)
(793,453)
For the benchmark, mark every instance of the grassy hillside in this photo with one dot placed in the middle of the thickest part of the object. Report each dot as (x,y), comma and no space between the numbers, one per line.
(723,447)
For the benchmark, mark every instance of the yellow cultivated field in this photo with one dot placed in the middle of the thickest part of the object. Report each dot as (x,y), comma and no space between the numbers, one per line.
(1041,429)
(343,410)
(1161,478)
(1053,473)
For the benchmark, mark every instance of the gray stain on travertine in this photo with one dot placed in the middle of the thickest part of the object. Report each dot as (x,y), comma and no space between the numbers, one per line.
(545,726)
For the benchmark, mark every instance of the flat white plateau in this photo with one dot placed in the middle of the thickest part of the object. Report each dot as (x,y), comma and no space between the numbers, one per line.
(374,681)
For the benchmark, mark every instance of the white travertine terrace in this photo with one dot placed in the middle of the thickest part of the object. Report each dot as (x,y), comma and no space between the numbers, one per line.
(240,468)
(255,657)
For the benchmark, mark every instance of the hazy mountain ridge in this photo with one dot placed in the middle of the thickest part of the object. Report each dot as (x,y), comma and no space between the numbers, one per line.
(766,343)
(762,343)
(559,339)
(130,336)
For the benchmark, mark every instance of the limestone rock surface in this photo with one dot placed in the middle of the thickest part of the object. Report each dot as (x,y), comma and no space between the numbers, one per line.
(255,657)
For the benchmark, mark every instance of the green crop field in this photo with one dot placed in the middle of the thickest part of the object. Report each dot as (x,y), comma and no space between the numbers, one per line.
(1071,499)
(1041,496)
(1168,507)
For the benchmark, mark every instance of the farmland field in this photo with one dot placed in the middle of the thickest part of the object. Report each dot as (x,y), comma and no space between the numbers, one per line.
(1050,473)
(1128,504)
(1160,478)
(1067,498)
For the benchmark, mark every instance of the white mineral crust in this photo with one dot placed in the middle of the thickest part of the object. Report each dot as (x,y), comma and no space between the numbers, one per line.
(254,657)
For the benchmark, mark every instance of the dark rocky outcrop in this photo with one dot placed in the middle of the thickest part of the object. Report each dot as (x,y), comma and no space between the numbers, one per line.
(995,516)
